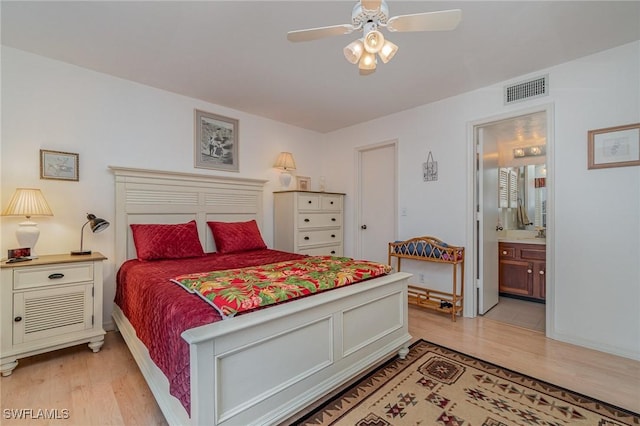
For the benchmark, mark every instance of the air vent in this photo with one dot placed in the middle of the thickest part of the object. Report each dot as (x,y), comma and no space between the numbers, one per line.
(525,90)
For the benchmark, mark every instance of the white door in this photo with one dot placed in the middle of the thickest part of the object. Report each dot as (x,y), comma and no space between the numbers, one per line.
(487,221)
(376,210)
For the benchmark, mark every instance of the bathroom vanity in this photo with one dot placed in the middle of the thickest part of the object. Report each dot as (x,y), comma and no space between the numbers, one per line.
(522,268)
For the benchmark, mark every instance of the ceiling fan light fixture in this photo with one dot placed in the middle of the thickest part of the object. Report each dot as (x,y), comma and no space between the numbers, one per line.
(353,51)
(388,51)
(367,61)
(373,41)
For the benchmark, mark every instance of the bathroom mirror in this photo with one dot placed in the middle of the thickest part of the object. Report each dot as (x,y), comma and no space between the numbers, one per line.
(523,197)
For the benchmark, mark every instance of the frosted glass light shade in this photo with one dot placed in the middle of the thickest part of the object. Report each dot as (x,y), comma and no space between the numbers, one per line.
(368,61)
(388,51)
(373,41)
(353,51)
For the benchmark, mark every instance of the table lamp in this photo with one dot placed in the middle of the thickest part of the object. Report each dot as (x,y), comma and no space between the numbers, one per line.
(97,225)
(28,202)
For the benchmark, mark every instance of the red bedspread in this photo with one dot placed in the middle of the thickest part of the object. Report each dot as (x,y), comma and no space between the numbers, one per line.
(160,310)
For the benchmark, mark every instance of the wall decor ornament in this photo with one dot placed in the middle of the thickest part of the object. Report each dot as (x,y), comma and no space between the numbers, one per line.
(617,146)
(430,169)
(59,165)
(216,142)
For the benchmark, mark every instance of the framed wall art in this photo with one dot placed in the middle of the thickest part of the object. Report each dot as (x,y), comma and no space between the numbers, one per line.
(303,183)
(614,146)
(59,165)
(216,142)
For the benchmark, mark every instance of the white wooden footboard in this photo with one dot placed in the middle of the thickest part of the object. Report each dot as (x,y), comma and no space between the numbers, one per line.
(262,367)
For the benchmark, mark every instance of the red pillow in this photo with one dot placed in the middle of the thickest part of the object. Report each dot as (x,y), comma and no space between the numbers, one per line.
(232,237)
(159,241)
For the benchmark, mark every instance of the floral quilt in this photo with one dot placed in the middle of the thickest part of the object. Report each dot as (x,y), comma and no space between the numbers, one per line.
(233,291)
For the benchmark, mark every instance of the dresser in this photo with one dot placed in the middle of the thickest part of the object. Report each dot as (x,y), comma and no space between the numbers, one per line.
(49,303)
(308,222)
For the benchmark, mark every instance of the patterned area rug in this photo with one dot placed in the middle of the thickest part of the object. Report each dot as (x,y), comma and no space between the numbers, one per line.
(438,386)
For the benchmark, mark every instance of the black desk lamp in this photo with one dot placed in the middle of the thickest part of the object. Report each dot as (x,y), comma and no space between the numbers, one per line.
(96,224)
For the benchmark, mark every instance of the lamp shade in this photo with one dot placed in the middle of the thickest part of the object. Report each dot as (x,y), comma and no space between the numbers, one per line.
(353,51)
(285,161)
(27,202)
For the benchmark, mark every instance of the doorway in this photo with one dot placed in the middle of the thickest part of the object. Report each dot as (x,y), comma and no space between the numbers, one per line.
(509,150)
(376,203)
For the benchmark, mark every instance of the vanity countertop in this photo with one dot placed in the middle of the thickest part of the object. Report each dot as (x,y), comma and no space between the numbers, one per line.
(534,240)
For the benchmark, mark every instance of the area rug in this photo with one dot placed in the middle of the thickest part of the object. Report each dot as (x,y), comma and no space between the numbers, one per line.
(439,386)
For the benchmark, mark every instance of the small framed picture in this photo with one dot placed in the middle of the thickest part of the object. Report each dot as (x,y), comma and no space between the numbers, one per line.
(216,142)
(614,147)
(58,165)
(303,183)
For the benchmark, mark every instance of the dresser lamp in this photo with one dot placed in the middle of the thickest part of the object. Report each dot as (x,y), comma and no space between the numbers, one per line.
(97,225)
(285,163)
(28,202)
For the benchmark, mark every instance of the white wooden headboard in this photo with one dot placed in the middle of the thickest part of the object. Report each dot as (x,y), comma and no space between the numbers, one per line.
(153,196)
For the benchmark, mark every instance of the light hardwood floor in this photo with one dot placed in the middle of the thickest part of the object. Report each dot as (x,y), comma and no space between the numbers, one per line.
(107,388)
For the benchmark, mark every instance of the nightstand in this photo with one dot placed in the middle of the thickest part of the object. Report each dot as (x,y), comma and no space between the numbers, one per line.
(49,303)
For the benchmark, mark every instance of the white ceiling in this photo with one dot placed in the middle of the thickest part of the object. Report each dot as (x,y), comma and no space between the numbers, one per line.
(235,53)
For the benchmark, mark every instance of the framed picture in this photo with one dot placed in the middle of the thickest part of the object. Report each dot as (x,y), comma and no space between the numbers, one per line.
(216,142)
(303,183)
(614,147)
(58,165)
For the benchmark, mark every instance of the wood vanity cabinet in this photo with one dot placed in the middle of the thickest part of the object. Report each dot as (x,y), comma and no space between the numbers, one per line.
(522,270)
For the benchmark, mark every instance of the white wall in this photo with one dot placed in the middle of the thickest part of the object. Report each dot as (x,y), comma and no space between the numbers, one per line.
(596,282)
(52,105)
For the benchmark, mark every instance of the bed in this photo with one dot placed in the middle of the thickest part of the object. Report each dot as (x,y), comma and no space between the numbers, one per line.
(263,366)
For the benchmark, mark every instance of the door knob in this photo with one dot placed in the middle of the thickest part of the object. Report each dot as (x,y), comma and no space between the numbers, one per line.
(363,227)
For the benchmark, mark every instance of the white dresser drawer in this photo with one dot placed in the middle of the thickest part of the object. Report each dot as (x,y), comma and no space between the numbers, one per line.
(307,238)
(331,202)
(319,220)
(52,275)
(308,201)
(335,250)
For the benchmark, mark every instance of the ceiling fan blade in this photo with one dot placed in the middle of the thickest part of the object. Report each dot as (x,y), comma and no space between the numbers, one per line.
(430,21)
(371,4)
(316,33)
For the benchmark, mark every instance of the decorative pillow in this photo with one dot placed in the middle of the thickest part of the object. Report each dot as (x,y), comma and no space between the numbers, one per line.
(159,241)
(232,237)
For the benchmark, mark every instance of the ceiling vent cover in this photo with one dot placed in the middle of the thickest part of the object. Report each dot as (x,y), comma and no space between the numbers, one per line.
(530,89)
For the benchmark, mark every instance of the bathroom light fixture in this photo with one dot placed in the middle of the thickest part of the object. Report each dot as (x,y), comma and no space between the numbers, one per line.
(28,202)
(285,163)
(529,151)
(97,225)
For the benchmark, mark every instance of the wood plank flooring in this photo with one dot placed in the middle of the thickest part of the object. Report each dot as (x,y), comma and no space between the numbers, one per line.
(107,388)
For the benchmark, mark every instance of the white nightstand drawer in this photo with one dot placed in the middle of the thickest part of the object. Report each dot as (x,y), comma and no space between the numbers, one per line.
(319,220)
(52,275)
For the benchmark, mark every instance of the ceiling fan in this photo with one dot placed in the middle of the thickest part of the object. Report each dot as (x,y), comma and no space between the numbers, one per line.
(369,16)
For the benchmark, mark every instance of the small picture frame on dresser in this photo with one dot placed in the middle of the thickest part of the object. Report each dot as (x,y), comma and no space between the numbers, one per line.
(303,183)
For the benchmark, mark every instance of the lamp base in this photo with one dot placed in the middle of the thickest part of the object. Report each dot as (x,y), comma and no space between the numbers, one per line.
(80,252)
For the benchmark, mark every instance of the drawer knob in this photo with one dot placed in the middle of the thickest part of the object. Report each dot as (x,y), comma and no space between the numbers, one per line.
(56,276)
(17,319)
(307,220)
(333,219)
(541,272)
(333,252)
(309,201)
(529,271)
(504,252)
(333,235)
(332,202)
(306,238)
